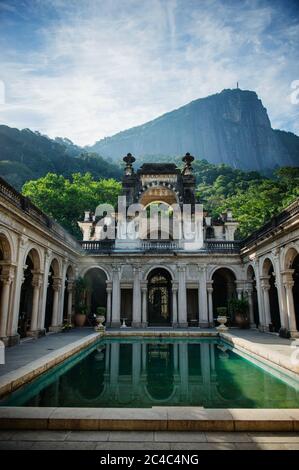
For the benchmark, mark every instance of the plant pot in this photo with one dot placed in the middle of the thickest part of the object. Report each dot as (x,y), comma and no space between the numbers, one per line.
(100,320)
(80,319)
(222,319)
(242,320)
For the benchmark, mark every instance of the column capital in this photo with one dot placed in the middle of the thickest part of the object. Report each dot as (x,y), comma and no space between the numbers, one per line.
(57,283)
(116,268)
(202,267)
(181,268)
(143,285)
(287,278)
(7,273)
(265,284)
(248,287)
(136,270)
(37,279)
(70,285)
(175,286)
(6,279)
(209,286)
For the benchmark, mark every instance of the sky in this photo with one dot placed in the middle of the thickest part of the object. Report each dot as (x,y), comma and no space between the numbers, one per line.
(86,69)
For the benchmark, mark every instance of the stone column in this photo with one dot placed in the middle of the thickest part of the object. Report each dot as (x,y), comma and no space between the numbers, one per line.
(260,296)
(265,285)
(12,327)
(62,291)
(281,293)
(144,304)
(44,291)
(210,302)
(240,289)
(36,283)
(70,292)
(288,282)
(174,304)
(115,316)
(6,279)
(108,308)
(203,319)
(55,325)
(182,298)
(136,321)
(249,291)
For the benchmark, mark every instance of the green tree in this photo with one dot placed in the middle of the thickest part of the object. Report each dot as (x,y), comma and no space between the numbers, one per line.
(66,199)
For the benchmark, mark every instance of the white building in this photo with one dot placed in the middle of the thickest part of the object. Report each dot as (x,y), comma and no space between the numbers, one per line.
(147,282)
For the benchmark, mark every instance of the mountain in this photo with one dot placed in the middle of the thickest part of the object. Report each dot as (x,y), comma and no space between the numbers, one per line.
(230,127)
(26,155)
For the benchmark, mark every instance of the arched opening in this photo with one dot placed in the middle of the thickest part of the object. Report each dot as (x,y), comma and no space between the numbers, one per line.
(53,285)
(224,288)
(159,297)
(97,295)
(160,221)
(295,266)
(158,193)
(32,264)
(5,261)
(254,299)
(273,296)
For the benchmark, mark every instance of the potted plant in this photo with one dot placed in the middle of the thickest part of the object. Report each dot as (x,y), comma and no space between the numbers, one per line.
(239,309)
(66,326)
(100,317)
(80,301)
(221,318)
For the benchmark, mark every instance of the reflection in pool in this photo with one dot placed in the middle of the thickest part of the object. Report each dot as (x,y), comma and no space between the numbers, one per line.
(135,372)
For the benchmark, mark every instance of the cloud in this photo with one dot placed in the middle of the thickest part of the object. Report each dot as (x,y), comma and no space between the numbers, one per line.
(88,70)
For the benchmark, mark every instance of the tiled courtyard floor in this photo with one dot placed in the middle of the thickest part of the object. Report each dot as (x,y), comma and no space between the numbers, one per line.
(141,440)
(31,349)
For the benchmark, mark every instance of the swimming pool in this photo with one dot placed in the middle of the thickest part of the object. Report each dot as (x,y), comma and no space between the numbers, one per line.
(145,372)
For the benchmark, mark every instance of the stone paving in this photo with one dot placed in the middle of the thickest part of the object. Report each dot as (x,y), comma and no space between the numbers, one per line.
(142,440)
(31,349)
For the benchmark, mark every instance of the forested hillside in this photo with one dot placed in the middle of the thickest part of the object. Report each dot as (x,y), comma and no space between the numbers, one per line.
(27,155)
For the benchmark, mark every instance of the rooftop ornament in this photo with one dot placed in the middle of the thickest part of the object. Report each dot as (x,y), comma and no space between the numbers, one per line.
(129,160)
(187,159)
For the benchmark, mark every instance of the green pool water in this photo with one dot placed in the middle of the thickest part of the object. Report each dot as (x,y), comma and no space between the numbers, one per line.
(143,372)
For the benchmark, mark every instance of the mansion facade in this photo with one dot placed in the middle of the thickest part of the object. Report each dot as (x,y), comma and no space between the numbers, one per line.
(144,282)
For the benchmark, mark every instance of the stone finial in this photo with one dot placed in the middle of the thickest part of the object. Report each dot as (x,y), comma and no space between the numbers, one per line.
(129,160)
(187,159)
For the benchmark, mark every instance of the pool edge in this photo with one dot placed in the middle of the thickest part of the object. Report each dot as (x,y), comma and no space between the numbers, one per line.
(152,419)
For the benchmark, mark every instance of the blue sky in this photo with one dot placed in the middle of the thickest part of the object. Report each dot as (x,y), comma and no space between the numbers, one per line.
(88,69)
